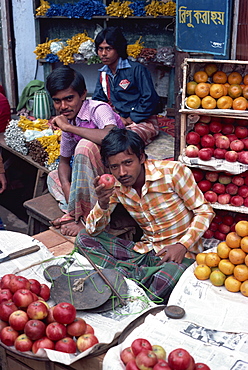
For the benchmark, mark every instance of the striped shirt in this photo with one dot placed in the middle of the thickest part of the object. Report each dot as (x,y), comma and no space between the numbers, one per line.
(171,209)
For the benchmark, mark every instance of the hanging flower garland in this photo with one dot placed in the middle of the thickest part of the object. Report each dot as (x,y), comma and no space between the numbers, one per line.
(135,49)
(44,6)
(119,9)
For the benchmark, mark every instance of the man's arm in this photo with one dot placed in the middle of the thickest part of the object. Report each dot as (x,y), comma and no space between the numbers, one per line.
(3,180)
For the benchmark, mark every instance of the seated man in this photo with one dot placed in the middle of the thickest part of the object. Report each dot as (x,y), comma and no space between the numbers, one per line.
(164,199)
(126,85)
(3,181)
(84,123)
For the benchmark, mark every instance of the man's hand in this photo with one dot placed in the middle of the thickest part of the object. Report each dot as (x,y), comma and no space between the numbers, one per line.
(172,253)
(60,122)
(126,121)
(102,193)
(3,183)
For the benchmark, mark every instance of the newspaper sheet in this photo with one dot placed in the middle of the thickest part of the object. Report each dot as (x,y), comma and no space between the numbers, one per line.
(219,350)
(107,325)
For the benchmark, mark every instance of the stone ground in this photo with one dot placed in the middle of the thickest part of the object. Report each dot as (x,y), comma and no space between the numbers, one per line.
(161,148)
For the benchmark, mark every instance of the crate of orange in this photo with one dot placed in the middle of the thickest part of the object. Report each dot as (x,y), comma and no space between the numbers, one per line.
(228,265)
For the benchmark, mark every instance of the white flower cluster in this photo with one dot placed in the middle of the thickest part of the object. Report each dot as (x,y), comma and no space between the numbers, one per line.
(14,137)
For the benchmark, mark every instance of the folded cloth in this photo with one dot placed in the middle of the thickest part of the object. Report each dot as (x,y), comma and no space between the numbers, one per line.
(28,93)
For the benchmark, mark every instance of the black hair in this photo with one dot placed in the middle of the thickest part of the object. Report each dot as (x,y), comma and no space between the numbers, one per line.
(120,140)
(115,38)
(64,77)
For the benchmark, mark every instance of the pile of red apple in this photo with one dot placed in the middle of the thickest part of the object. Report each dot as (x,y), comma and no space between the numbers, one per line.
(28,323)
(220,138)
(141,355)
(222,187)
(223,223)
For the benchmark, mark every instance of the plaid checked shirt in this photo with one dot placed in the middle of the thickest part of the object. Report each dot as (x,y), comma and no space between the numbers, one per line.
(172,209)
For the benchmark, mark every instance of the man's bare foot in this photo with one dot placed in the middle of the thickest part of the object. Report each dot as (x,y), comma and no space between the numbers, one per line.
(72,228)
(58,222)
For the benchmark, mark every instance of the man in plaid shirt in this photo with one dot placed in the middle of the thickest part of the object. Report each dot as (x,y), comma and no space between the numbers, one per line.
(164,199)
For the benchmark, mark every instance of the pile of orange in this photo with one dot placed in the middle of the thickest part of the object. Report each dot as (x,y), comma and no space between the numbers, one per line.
(212,89)
(227,266)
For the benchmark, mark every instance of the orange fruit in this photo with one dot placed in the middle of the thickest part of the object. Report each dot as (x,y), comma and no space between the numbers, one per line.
(208,102)
(202,272)
(245,91)
(202,89)
(233,240)
(217,278)
(226,266)
(190,87)
(200,76)
(232,284)
(241,228)
(245,80)
(216,90)
(210,68)
(212,259)
(200,258)
(223,250)
(241,272)
(219,77)
(237,256)
(193,101)
(240,103)
(246,260)
(225,87)
(234,91)
(225,102)
(244,244)
(244,288)
(234,78)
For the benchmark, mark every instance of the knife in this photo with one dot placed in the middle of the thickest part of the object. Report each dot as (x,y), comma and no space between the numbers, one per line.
(22,252)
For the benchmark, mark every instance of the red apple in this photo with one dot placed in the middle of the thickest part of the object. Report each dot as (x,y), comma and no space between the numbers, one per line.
(243,191)
(231,137)
(209,234)
(8,335)
(211,196)
(237,145)
(215,127)
(77,327)
(42,343)
(146,359)
(204,185)
(5,280)
(205,154)
(161,365)
(67,345)
(3,324)
(50,317)
(227,128)
(107,180)
(222,142)
(228,220)
(64,312)
(245,203)
(219,188)
(131,365)
(18,282)
(224,198)
(232,189)
(5,295)
(89,329)
(191,151)
(243,157)
(44,292)
(213,226)
(220,236)
(193,138)
(201,128)
(245,142)
(23,343)
(179,359)
(56,331)
(35,286)
(224,179)
(219,153)
(241,132)
(140,344)
(6,308)
(206,119)
(201,366)
(212,176)
(35,329)
(231,156)
(207,141)
(86,341)
(197,173)
(238,180)
(217,218)
(37,310)
(242,122)
(237,201)
(22,298)
(217,135)
(127,355)
(18,320)
(225,229)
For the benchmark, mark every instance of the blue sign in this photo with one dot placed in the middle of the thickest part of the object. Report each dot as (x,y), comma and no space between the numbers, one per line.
(202,26)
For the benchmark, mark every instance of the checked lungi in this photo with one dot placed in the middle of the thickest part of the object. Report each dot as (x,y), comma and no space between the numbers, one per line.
(108,251)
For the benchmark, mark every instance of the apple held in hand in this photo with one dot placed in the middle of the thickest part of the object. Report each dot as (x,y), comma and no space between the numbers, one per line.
(23,343)
(139,345)
(43,342)
(67,345)
(86,341)
(64,313)
(8,335)
(107,180)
